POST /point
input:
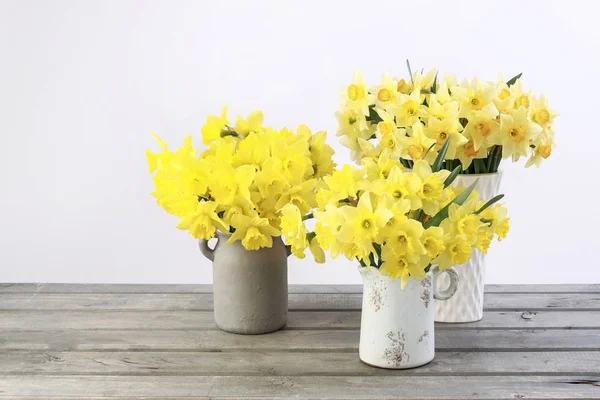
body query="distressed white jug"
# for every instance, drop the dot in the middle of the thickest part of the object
(397, 328)
(467, 303)
(250, 288)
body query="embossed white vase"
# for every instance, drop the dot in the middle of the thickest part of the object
(396, 328)
(467, 303)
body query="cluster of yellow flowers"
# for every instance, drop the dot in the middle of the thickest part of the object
(401, 221)
(246, 181)
(257, 183)
(484, 121)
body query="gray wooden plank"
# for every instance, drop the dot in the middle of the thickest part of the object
(205, 288)
(161, 301)
(290, 340)
(201, 320)
(153, 288)
(313, 387)
(297, 301)
(261, 363)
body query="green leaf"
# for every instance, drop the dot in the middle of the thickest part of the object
(362, 263)
(513, 80)
(437, 164)
(377, 248)
(452, 176)
(225, 133)
(489, 203)
(480, 167)
(372, 259)
(437, 219)
(409, 70)
(373, 117)
(417, 215)
(497, 160)
(434, 86)
(307, 216)
(490, 158)
(430, 147)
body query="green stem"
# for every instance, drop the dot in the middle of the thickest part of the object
(497, 159)
(372, 259)
(225, 133)
(308, 216)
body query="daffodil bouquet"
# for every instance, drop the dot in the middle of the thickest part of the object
(248, 178)
(409, 119)
(400, 221)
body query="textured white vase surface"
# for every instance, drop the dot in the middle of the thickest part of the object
(467, 303)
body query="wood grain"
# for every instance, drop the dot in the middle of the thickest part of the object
(297, 301)
(203, 288)
(201, 320)
(259, 363)
(289, 340)
(65, 341)
(314, 387)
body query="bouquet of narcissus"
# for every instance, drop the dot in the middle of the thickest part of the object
(402, 222)
(484, 121)
(252, 181)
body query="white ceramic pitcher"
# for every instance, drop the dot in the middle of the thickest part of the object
(397, 327)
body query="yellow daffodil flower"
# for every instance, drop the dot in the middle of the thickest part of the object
(321, 155)
(433, 241)
(302, 196)
(227, 183)
(356, 95)
(515, 134)
(408, 109)
(386, 94)
(203, 222)
(541, 114)
(416, 145)
(457, 250)
(401, 267)
(214, 127)
(248, 171)
(446, 129)
(293, 229)
(344, 183)
(431, 190)
(363, 222)
(476, 96)
(401, 185)
(250, 125)
(253, 231)
(467, 153)
(316, 251)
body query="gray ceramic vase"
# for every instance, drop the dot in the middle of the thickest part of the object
(250, 288)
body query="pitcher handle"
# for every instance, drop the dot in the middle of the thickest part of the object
(206, 250)
(449, 292)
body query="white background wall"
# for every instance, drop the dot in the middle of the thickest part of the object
(83, 83)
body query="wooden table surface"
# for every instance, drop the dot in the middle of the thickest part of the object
(63, 341)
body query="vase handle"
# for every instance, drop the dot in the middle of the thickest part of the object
(449, 292)
(206, 250)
